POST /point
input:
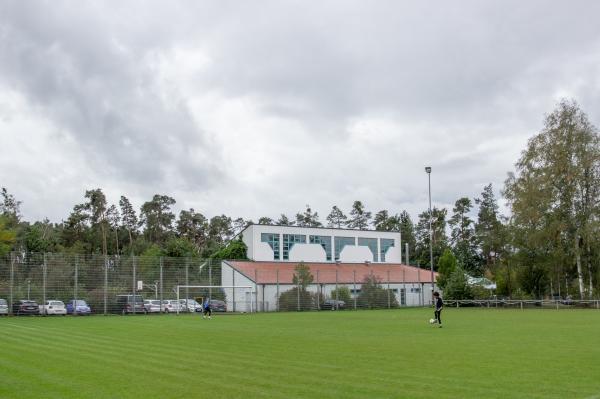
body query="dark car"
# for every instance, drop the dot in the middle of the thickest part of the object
(78, 306)
(217, 305)
(126, 304)
(332, 304)
(25, 306)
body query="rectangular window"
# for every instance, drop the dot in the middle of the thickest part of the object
(325, 242)
(415, 290)
(273, 241)
(288, 243)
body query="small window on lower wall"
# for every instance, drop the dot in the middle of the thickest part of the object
(415, 290)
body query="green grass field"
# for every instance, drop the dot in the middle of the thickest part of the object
(480, 353)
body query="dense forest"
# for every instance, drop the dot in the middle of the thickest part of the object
(550, 238)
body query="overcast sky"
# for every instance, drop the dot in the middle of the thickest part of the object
(259, 108)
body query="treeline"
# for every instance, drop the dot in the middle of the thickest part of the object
(549, 244)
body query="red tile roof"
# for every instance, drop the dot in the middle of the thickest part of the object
(325, 273)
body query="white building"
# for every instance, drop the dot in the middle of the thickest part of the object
(335, 257)
(309, 244)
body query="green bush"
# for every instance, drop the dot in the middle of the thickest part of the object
(374, 296)
(292, 300)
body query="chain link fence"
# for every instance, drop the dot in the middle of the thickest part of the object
(106, 284)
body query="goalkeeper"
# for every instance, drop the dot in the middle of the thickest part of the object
(207, 312)
(439, 305)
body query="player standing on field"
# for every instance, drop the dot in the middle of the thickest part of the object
(439, 305)
(207, 310)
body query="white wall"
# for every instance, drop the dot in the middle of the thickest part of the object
(244, 299)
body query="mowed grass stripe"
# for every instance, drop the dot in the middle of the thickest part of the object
(154, 363)
(276, 339)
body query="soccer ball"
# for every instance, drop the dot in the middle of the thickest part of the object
(432, 321)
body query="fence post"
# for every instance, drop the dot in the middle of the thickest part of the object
(521, 305)
(134, 284)
(76, 284)
(187, 280)
(44, 268)
(161, 283)
(403, 287)
(105, 284)
(354, 281)
(319, 291)
(388, 289)
(336, 290)
(298, 295)
(12, 281)
(277, 281)
(256, 289)
(210, 279)
(232, 283)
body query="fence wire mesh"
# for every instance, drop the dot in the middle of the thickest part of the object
(106, 284)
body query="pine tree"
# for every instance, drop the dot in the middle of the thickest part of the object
(336, 218)
(462, 236)
(359, 218)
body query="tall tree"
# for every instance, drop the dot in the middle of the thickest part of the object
(7, 236)
(462, 236)
(284, 221)
(308, 218)
(266, 220)
(440, 239)
(384, 222)
(193, 226)
(554, 195)
(407, 233)
(157, 218)
(129, 219)
(359, 217)
(10, 207)
(489, 229)
(96, 208)
(113, 220)
(336, 218)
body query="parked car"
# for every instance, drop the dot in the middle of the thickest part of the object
(217, 305)
(3, 307)
(53, 306)
(152, 305)
(332, 304)
(190, 305)
(25, 306)
(130, 304)
(78, 306)
(172, 306)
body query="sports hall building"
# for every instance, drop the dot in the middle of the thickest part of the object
(336, 257)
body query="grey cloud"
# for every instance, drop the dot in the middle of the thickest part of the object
(460, 86)
(95, 83)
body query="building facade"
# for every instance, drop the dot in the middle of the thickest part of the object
(270, 243)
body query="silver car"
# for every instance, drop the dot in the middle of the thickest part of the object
(3, 307)
(152, 305)
(190, 305)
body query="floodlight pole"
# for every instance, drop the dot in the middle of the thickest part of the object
(428, 171)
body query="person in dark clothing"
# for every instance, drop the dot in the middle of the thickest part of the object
(439, 305)
(207, 310)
